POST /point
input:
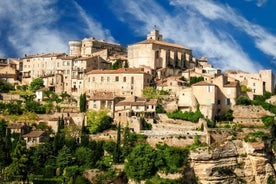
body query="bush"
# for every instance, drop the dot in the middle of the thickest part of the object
(243, 100)
(268, 121)
(189, 116)
(194, 80)
(160, 109)
(253, 136)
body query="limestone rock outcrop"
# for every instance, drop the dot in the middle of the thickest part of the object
(232, 162)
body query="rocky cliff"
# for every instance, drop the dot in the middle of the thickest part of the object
(233, 162)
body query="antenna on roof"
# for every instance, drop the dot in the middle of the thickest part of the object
(155, 27)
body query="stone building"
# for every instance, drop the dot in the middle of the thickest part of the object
(131, 111)
(88, 46)
(39, 65)
(122, 82)
(163, 58)
(103, 100)
(9, 70)
(256, 83)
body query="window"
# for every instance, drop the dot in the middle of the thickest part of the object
(93, 79)
(102, 79)
(108, 79)
(156, 54)
(116, 78)
(254, 84)
(124, 79)
(227, 101)
(209, 89)
(132, 80)
(218, 102)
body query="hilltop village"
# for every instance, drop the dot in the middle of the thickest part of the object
(155, 89)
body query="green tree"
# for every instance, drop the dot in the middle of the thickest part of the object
(98, 121)
(151, 93)
(173, 159)
(83, 102)
(118, 152)
(19, 167)
(64, 157)
(140, 163)
(83, 156)
(5, 143)
(5, 87)
(194, 80)
(84, 135)
(36, 84)
(117, 64)
(243, 100)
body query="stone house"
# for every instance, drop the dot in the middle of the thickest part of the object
(122, 82)
(206, 97)
(19, 128)
(39, 65)
(89, 46)
(8, 73)
(35, 137)
(132, 110)
(158, 54)
(172, 84)
(257, 83)
(103, 100)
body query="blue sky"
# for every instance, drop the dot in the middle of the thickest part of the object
(232, 34)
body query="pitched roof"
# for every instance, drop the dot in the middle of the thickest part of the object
(137, 102)
(102, 95)
(203, 83)
(162, 43)
(16, 125)
(34, 134)
(120, 70)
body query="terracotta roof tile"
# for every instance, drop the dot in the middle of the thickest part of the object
(157, 42)
(33, 134)
(16, 125)
(203, 83)
(120, 70)
(102, 95)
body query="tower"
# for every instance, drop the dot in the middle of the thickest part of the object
(75, 48)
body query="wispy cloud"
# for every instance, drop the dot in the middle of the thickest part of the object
(28, 25)
(92, 26)
(33, 26)
(190, 29)
(264, 40)
(261, 2)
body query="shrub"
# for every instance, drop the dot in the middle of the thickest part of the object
(194, 80)
(243, 100)
(252, 137)
(189, 116)
(268, 121)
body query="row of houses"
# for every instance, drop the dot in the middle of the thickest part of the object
(152, 62)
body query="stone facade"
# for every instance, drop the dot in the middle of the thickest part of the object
(258, 83)
(123, 82)
(157, 54)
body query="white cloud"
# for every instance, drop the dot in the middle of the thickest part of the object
(187, 28)
(261, 3)
(264, 40)
(33, 26)
(29, 26)
(93, 27)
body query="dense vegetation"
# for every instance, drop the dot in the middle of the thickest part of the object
(194, 80)
(189, 116)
